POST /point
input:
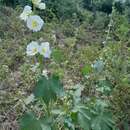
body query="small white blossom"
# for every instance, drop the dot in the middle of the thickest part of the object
(36, 2)
(35, 23)
(45, 73)
(42, 6)
(32, 48)
(26, 12)
(45, 49)
(27, 8)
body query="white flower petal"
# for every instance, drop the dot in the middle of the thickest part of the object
(26, 12)
(32, 48)
(45, 49)
(42, 6)
(45, 73)
(27, 8)
(23, 16)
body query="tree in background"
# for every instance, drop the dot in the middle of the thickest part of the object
(105, 5)
(64, 8)
(14, 3)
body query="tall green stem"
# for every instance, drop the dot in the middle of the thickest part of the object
(110, 24)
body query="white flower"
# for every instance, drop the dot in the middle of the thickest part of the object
(45, 73)
(32, 48)
(42, 6)
(39, 4)
(45, 49)
(35, 23)
(27, 8)
(26, 12)
(36, 2)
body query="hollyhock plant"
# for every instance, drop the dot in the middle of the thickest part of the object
(26, 13)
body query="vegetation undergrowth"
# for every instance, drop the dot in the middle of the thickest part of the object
(72, 74)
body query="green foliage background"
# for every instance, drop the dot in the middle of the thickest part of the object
(80, 28)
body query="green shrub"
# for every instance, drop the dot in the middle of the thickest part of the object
(64, 9)
(95, 78)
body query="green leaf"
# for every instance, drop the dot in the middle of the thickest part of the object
(45, 127)
(29, 122)
(46, 123)
(83, 121)
(86, 70)
(43, 90)
(84, 117)
(57, 111)
(57, 55)
(103, 121)
(68, 123)
(96, 124)
(74, 116)
(126, 126)
(56, 85)
(104, 86)
(101, 104)
(48, 89)
(77, 94)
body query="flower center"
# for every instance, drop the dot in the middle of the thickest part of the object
(43, 50)
(34, 24)
(34, 50)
